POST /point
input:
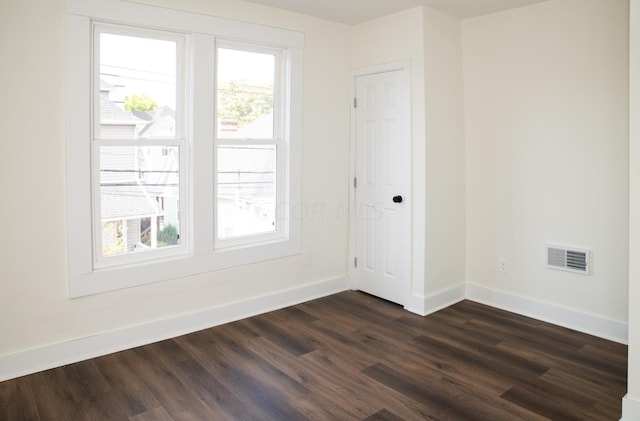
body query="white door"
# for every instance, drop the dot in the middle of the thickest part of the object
(382, 185)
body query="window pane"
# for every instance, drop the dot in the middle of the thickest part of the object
(137, 87)
(245, 94)
(246, 190)
(139, 198)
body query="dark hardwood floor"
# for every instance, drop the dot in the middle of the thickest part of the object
(349, 356)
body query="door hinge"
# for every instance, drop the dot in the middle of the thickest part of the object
(355, 182)
(355, 102)
(355, 262)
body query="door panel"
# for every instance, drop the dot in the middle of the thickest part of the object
(383, 227)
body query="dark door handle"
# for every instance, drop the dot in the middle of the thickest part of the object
(397, 199)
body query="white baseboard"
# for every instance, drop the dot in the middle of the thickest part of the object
(630, 409)
(583, 322)
(56, 355)
(416, 304)
(50, 356)
(437, 301)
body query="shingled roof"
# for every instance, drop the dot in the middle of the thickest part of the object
(127, 202)
(110, 113)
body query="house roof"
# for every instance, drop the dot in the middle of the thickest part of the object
(127, 202)
(161, 111)
(161, 122)
(261, 127)
(106, 86)
(111, 114)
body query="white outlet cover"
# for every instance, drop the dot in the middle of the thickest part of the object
(502, 265)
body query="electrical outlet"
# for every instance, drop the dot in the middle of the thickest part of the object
(503, 266)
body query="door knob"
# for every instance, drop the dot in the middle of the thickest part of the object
(397, 199)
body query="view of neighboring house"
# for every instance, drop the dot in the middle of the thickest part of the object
(139, 185)
(246, 180)
(139, 192)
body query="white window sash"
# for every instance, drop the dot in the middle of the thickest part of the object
(282, 157)
(179, 140)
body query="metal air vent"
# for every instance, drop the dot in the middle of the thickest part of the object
(571, 259)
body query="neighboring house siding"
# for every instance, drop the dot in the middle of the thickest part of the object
(118, 131)
(133, 233)
(117, 161)
(136, 182)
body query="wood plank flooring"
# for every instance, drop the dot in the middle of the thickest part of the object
(349, 356)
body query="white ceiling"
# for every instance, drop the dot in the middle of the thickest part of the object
(357, 11)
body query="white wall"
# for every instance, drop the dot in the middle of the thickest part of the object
(432, 43)
(445, 153)
(631, 404)
(546, 132)
(34, 306)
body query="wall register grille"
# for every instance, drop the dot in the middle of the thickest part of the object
(570, 259)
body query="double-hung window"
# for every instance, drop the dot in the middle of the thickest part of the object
(183, 144)
(139, 146)
(250, 148)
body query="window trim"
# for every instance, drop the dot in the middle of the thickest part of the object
(202, 256)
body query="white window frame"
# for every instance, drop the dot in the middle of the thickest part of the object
(278, 140)
(201, 254)
(179, 140)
